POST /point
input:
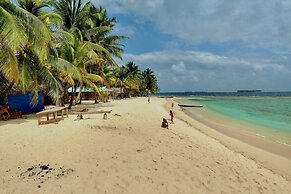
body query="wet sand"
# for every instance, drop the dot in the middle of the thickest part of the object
(273, 155)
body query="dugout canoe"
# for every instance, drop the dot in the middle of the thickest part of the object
(188, 105)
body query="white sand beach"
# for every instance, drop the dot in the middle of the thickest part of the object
(131, 153)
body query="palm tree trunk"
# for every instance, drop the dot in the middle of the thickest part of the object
(96, 100)
(59, 101)
(79, 94)
(121, 92)
(65, 96)
(73, 96)
(81, 98)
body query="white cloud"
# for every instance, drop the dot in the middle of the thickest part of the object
(261, 27)
(254, 22)
(179, 69)
(193, 70)
(203, 60)
(124, 30)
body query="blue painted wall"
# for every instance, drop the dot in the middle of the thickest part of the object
(23, 103)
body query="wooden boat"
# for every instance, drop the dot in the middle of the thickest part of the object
(166, 96)
(188, 105)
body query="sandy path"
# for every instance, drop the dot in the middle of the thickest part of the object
(129, 153)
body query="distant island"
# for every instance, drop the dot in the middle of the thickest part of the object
(241, 91)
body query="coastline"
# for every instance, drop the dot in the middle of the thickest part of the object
(128, 153)
(268, 153)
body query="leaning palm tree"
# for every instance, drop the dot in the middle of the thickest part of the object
(79, 55)
(91, 25)
(27, 50)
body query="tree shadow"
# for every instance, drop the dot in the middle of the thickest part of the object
(24, 119)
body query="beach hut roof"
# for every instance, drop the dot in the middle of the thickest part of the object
(84, 90)
(70, 90)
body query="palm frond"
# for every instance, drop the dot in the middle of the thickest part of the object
(94, 77)
(69, 68)
(92, 85)
(97, 47)
(61, 36)
(10, 31)
(53, 20)
(50, 80)
(9, 64)
(97, 31)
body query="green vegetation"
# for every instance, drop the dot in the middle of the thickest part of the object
(53, 45)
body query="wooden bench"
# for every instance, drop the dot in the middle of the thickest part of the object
(53, 115)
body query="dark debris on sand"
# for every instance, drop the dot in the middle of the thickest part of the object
(42, 172)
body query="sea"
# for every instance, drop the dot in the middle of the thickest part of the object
(270, 111)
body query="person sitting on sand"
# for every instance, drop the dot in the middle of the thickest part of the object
(4, 113)
(172, 116)
(79, 117)
(165, 123)
(105, 116)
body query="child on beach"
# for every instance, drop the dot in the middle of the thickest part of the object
(172, 116)
(79, 117)
(165, 123)
(105, 116)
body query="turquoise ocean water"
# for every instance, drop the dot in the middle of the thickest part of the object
(270, 111)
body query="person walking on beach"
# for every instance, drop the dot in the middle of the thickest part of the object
(172, 116)
(149, 99)
(172, 104)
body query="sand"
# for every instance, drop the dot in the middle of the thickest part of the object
(128, 153)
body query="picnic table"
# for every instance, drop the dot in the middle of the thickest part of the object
(53, 115)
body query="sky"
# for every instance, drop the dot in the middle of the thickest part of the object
(207, 45)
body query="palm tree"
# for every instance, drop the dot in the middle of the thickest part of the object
(128, 78)
(133, 76)
(70, 11)
(35, 7)
(99, 16)
(92, 26)
(79, 55)
(27, 50)
(150, 83)
(73, 46)
(98, 27)
(120, 75)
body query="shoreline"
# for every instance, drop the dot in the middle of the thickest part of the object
(222, 120)
(270, 154)
(127, 153)
(237, 130)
